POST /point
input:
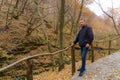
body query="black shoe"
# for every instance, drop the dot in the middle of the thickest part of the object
(81, 73)
(78, 69)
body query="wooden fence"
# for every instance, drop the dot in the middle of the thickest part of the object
(30, 63)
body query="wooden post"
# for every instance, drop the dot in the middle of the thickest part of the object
(109, 47)
(29, 70)
(73, 59)
(53, 62)
(92, 53)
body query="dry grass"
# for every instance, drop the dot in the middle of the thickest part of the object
(65, 74)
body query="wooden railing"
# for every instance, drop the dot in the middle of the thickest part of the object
(30, 63)
(93, 48)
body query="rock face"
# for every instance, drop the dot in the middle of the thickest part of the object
(107, 68)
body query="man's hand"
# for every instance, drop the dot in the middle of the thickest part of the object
(72, 44)
(87, 45)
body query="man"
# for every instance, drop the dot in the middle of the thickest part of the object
(84, 38)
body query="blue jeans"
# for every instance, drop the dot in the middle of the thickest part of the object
(84, 51)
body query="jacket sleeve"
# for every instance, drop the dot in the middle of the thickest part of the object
(76, 39)
(91, 36)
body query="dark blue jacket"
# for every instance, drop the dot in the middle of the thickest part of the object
(84, 36)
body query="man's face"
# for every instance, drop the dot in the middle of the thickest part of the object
(82, 23)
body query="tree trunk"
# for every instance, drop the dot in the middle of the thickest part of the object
(79, 16)
(25, 2)
(16, 5)
(2, 2)
(8, 18)
(62, 12)
(40, 13)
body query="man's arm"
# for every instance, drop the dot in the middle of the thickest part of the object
(91, 35)
(76, 39)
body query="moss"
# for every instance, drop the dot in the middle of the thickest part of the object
(3, 54)
(66, 31)
(26, 46)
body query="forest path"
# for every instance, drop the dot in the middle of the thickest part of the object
(107, 68)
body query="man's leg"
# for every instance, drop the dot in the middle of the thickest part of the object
(84, 51)
(83, 55)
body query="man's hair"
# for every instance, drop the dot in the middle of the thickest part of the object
(82, 19)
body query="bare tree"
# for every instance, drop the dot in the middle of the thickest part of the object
(75, 15)
(110, 16)
(79, 16)
(8, 17)
(40, 13)
(24, 5)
